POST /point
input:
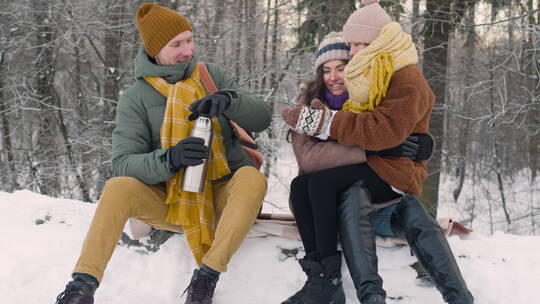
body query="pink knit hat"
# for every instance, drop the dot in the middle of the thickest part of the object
(365, 24)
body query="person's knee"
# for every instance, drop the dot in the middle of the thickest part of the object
(299, 183)
(412, 214)
(319, 186)
(318, 181)
(253, 178)
(358, 194)
(121, 190)
(253, 184)
(299, 193)
(355, 202)
(411, 207)
(123, 184)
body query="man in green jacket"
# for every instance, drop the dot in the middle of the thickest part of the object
(148, 163)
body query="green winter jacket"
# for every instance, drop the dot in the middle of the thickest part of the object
(136, 142)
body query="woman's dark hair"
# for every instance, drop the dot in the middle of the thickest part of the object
(315, 88)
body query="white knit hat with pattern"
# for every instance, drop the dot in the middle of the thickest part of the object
(365, 24)
(332, 47)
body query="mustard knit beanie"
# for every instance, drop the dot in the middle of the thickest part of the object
(365, 24)
(158, 25)
(332, 47)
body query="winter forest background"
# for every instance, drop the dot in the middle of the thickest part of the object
(63, 64)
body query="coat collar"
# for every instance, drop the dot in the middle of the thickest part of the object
(145, 67)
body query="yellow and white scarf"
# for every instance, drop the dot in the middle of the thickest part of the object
(193, 211)
(368, 74)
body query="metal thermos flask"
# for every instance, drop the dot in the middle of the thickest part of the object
(195, 176)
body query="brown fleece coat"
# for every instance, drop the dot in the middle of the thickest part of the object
(405, 110)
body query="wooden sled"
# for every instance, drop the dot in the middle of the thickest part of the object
(284, 225)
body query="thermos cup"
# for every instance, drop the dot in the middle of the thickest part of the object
(195, 176)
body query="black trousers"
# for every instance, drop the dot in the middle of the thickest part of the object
(314, 199)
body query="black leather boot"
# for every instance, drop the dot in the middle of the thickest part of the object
(357, 238)
(201, 288)
(76, 292)
(411, 220)
(325, 286)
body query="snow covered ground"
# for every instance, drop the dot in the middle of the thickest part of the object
(41, 238)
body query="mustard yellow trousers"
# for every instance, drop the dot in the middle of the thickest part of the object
(237, 203)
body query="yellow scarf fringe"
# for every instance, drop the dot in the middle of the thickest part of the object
(368, 74)
(193, 211)
(383, 66)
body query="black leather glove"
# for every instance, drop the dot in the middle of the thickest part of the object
(426, 147)
(417, 146)
(210, 105)
(190, 151)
